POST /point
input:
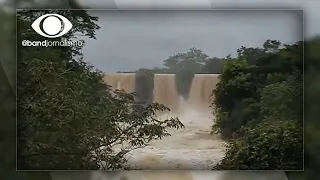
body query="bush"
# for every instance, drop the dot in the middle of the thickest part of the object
(256, 104)
(271, 145)
(244, 113)
(282, 100)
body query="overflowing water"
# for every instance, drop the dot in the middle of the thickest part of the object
(190, 148)
(200, 96)
(165, 92)
(124, 81)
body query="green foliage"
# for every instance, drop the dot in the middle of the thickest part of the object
(258, 98)
(312, 107)
(213, 66)
(234, 98)
(253, 55)
(233, 84)
(272, 144)
(244, 113)
(144, 85)
(282, 100)
(312, 79)
(7, 93)
(312, 69)
(192, 61)
(183, 79)
(185, 65)
(67, 117)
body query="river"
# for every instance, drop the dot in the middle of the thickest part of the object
(190, 148)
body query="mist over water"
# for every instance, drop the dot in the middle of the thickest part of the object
(190, 148)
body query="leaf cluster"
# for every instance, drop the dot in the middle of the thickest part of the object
(68, 118)
(259, 105)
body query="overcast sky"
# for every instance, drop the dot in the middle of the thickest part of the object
(129, 40)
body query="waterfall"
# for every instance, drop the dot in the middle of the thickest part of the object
(165, 91)
(201, 90)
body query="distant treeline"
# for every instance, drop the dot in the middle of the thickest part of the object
(184, 65)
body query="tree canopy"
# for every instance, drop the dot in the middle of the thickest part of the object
(68, 118)
(259, 105)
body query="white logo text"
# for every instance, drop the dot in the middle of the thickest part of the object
(47, 43)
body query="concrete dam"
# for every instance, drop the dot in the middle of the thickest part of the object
(190, 148)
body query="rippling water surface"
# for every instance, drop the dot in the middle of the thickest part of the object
(190, 148)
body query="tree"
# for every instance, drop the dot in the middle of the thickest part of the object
(183, 80)
(67, 117)
(213, 66)
(312, 97)
(251, 99)
(144, 85)
(193, 60)
(185, 65)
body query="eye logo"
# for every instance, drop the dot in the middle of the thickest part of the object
(51, 25)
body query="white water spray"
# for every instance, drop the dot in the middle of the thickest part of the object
(189, 148)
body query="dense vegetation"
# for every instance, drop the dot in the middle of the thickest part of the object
(7, 108)
(259, 99)
(259, 103)
(66, 112)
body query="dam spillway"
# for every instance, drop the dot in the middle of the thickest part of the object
(200, 96)
(190, 148)
(165, 91)
(121, 81)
